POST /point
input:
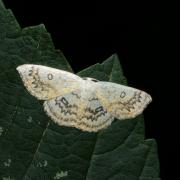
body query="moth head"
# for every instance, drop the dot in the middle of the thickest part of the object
(90, 79)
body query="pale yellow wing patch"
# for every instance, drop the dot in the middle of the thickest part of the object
(122, 102)
(76, 111)
(46, 83)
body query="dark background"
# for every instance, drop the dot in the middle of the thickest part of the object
(143, 39)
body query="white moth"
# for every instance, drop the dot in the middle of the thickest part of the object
(84, 103)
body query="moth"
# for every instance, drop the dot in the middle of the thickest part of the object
(83, 103)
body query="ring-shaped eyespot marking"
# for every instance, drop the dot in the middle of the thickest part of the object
(50, 76)
(123, 94)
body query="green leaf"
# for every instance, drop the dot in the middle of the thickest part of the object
(32, 147)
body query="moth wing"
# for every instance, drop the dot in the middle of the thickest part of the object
(94, 116)
(74, 110)
(121, 101)
(46, 83)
